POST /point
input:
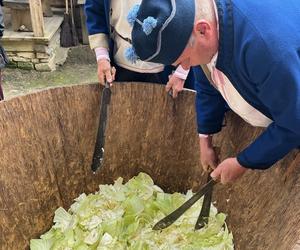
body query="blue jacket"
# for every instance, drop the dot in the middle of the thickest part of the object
(97, 16)
(259, 52)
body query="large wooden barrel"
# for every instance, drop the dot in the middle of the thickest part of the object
(47, 142)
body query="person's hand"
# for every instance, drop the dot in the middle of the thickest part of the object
(176, 84)
(208, 155)
(228, 171)
(105, 71)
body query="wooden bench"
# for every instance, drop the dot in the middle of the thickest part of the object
(20, 13)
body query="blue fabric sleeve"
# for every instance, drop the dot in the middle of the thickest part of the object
(96, 17)
(210, 105)
(280, 93)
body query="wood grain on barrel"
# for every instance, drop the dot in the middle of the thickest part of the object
(47, 142)
(297, 247)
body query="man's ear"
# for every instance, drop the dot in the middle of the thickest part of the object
(201, 28)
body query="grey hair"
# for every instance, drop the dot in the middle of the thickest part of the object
(204, 10)
(191, 41)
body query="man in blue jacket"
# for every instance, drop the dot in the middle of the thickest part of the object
(250, 56)
(109, 35)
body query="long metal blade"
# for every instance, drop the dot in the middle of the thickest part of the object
(99, 147)
(205, 210)
(172, 217)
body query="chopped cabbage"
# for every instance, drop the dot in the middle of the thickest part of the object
(121, 216)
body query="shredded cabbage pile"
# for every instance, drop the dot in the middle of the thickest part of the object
(121, 216)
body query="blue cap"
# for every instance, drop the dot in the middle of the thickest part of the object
(161, 30)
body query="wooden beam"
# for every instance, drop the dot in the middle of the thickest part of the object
(47, 11)
(84, 32)
(21, 18)
(37, 19)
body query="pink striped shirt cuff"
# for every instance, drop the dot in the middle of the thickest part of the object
(181, 73)
(203, 136)
(102, 53)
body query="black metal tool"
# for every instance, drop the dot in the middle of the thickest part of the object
(205, 210)
(99, 147)
(172, 217)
